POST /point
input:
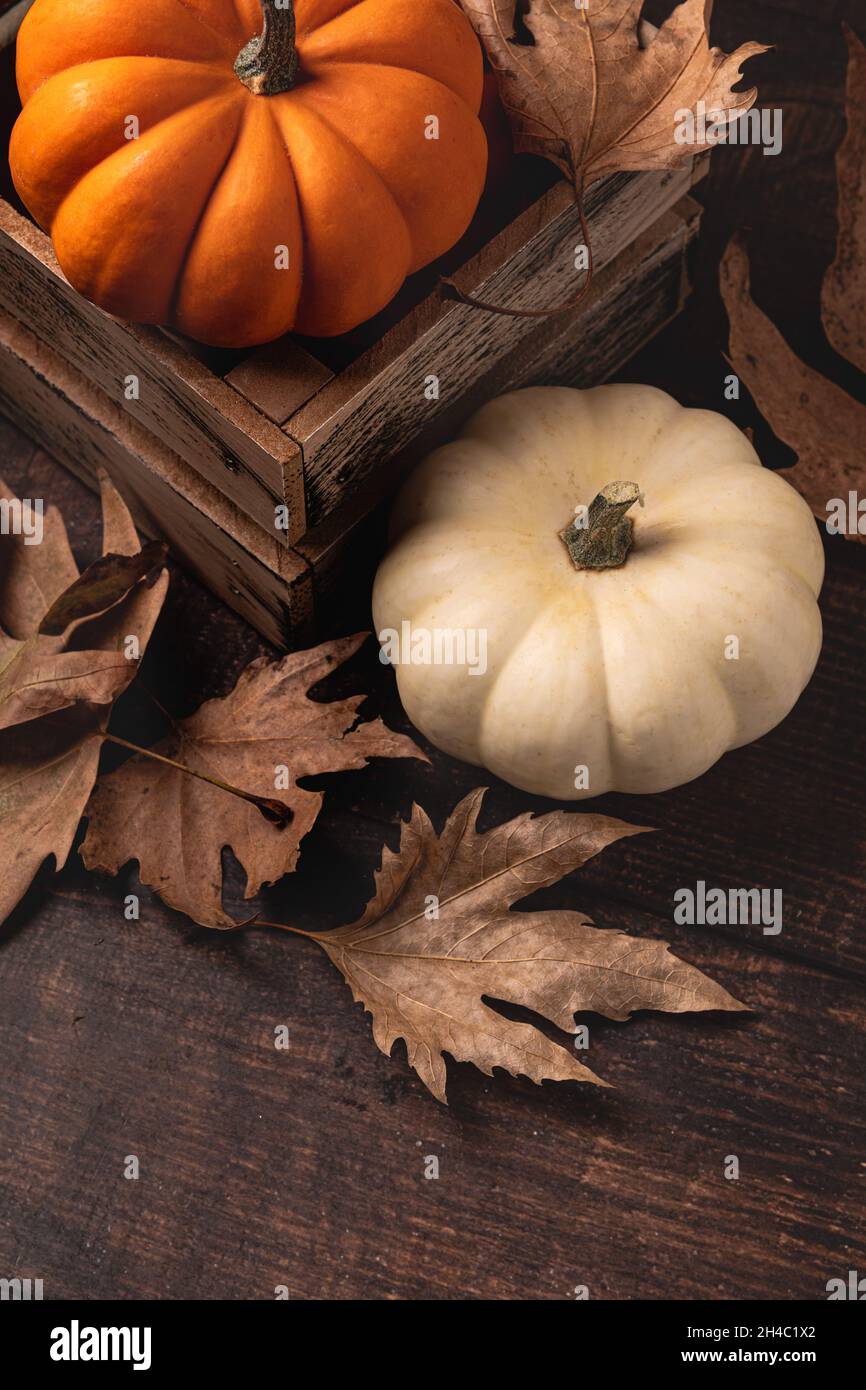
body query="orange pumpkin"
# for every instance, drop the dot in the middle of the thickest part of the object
(234, 184)
(497, 128)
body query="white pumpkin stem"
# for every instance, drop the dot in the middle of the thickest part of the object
(604, 539)
(268, 64)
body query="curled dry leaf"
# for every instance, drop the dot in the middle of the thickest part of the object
(55, 691)
(438, 940)
(815, 417)
(103, 584)
(53, 653)
(589, 98)
(176, 826)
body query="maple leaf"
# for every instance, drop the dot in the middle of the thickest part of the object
(177, 826)
(51, 740)
(588, 97)
(815, 417)
(438, 939)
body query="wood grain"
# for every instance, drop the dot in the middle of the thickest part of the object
(242, 563)
(306, 1168)
(211, 426)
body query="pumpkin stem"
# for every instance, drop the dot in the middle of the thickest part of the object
(604, 538)
(268, 64)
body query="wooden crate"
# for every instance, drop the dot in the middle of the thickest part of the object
(289, 592)
(304, 424)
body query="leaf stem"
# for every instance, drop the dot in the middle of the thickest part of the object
(456, 293)
(281, 926)
(169, 718)
(277, 812)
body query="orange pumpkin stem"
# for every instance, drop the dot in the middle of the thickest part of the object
(268, 64)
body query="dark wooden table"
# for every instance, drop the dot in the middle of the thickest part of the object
(305, 1168)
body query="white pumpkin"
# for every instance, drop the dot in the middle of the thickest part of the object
(692, 629)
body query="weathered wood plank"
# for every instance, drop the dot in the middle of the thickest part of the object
(260, 1168)
(243, 564)
(279, 378)
(210, 425)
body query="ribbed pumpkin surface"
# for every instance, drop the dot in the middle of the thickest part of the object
(185, 225)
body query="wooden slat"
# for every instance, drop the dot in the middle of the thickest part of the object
(181, 402)
(377, 406)
(242, 563)
(279, 378)
(632, 299)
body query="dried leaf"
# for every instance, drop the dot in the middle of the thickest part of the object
(815, 417)
(57, 646)
(47, 771)
(425, 977)
(844, 292)
(176, 827)
(821, 422)
(101, 586)
(588, 97)
(48, 764)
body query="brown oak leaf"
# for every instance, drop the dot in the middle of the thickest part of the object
(587, 96)
(815, 417)
(48, 762)
(438, 940)
(177, 826)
